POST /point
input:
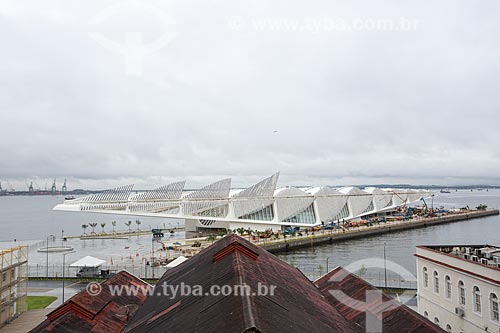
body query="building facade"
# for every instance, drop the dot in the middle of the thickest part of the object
(459, 287)
(13, 282)
(260, 207)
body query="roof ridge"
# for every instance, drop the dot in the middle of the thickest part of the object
(235, 246)
(248, 305)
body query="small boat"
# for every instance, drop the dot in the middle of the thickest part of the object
(70, 197)
(445, 191)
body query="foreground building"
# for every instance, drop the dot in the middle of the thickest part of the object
(276, 298)
(13, 283)
(260, 207)
(100, 313)
(459, 286)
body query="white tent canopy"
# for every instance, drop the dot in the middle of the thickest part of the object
(176, 262)
(88, 261)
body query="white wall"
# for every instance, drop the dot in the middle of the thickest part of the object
(437, 305)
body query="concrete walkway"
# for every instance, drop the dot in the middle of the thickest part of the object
(26, 321)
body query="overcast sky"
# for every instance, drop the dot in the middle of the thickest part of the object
(212, 89)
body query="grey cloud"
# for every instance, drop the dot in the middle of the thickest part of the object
(350, 107)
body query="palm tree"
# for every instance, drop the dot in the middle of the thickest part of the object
(93, 225)
(138, 224)
(114, 225)
(241, 231)
(249, 232)
(128, 224)
(103, 224)
(211, 238)
(84, 226)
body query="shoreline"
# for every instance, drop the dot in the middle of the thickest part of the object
(329, 237)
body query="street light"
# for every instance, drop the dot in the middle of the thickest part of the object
(385, 269)
(153, 257)
(327, 258)
(64, 262)
(47, 251)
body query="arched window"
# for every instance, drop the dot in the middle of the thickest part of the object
(494, 307)
(426, 314)
(447, 285)
(436, 282)
(477, 299)
(461, 293)
(448, 328)
(436, 321)
(425, 277)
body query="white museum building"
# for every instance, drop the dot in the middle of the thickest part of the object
(260, 207)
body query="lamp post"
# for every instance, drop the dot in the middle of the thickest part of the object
(47, 252)
(63, 264)
(385, 270)
(432, 203)
(153, 256)
(327, 258)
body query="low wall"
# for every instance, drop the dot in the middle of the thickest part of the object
(329, 238)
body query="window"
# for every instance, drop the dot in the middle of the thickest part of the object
(305, 216)
(264, 214)
(447, 283)
(461, 293)
(4, 276)
(436, 282)
(436, 321)
(448, 328)
(477, 299)
(494, 307)
(425, 277)
(426, 314)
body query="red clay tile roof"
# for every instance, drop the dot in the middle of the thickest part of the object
(297, 305)
(398, 319)
(101, 313)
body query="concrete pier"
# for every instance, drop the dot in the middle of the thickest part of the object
(330, 236)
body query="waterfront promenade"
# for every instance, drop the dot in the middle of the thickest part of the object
(291, 242)
(330, 236)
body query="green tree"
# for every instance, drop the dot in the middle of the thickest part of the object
(128, 224)
(93, 225)
(103, 224)
(138, 224)
(114, 225)
(84, 227)
(211, 238)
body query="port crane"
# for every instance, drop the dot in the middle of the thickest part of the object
(54, 187)
(30, 187)
(64, 188)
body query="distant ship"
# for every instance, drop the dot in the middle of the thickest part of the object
(444, 190)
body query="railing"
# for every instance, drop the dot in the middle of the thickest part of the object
(56, 270)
